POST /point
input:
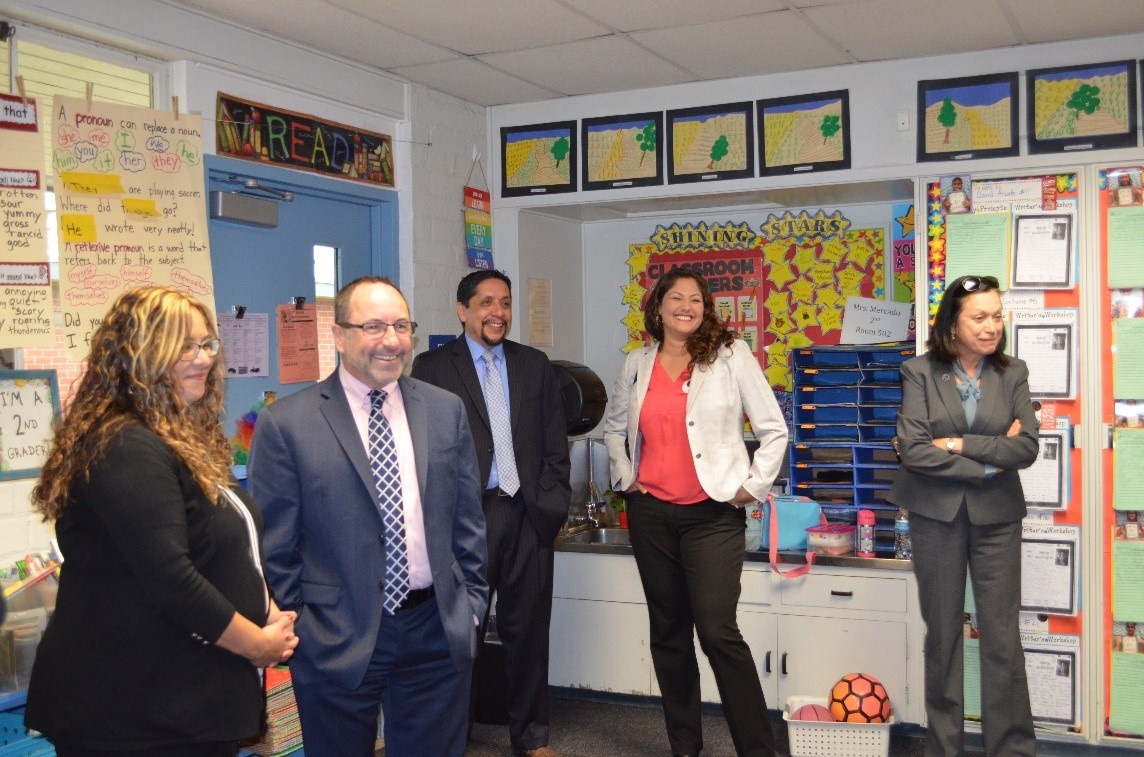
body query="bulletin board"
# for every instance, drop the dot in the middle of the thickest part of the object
(29, 404)
(983, 215)
(780, 287)
(1121, 216)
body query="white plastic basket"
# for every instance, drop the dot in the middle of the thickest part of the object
(815, 738)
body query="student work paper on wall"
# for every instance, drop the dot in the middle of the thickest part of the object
(1051, 662)
(26, 307)
(978, 245)
(131, 205)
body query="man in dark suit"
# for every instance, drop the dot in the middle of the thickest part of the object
(524, 470)
(375, 536)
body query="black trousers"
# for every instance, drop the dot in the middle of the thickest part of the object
(690, 559)
(520, 573)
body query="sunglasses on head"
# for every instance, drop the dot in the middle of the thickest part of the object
(974, 283)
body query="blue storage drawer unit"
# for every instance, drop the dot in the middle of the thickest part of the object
(826, 395)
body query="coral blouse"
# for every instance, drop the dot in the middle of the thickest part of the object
(666, 469)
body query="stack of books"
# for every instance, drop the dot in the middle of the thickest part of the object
(284, 731)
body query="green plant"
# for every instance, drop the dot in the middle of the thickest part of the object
(615, 501)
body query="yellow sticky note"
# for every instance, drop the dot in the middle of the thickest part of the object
(77, 227)
(92, 183)
(140, 207)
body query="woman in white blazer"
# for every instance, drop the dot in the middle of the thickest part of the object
(674, 433)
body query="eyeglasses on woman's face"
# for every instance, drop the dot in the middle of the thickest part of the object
(210, 346)
(975, 283)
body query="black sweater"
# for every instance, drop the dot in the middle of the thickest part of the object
(153, 574)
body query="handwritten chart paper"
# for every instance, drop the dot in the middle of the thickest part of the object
(1127, 462)
(132, 209)
(977, 245)
(1127, 579)
(1126, 713)
(1125, 247)
(25, 284)
(1127, 378)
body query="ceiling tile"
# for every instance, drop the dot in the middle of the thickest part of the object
(762, 44)
(1055, 20)
(634, 15)
(475, 82)
(337, 31)
(888, 29)
(475, 27)
(608, 64)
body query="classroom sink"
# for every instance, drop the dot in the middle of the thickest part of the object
(597, 536)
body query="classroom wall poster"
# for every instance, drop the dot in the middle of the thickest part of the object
(780, 288)
(26, 304)
(132, 209)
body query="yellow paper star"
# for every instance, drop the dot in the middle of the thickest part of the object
(634, 320)
(802, 290)
(778, 377)
(806, 315)
(826, 297)
(781, 274)
(861, 253)
(830, 320)
(778, 302)
(907, 222)
(850, 278)
(805, 258)
(798, 341)
(834, 251)
(775, 252)
(781, 325)
(633, 293)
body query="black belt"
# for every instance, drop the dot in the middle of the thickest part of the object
(495, 492)
(415, 597)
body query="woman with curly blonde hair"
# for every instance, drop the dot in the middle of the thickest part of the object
(674, 433)
(162, 620)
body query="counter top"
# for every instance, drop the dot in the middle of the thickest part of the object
(785, 558)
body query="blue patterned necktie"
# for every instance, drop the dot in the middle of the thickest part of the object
(502, 430)
(387, 478)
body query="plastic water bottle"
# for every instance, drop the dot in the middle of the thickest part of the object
(903, 549)
(864, 536)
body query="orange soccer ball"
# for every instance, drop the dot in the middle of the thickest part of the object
(860, 698)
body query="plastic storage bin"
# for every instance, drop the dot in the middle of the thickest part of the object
(815, 738)
(834, 539)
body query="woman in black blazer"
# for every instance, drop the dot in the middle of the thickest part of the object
(966, 426)
(162, 620)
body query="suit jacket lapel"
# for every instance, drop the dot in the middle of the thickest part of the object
(516, 383)
(341, 420)
(990, 383)
(417, 415)
(467, 370)
(946, 384)
(699, 374)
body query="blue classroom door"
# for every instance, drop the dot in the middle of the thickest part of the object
(261, 268)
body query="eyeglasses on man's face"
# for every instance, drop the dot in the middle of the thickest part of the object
(974, 283)
(378, 328)
(210, 346)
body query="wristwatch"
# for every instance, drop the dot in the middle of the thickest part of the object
(949, 445)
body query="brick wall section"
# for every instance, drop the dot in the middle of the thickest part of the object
(452, 128)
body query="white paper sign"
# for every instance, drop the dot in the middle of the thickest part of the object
(870, 321)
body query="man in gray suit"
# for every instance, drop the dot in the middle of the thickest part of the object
(375, 536)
